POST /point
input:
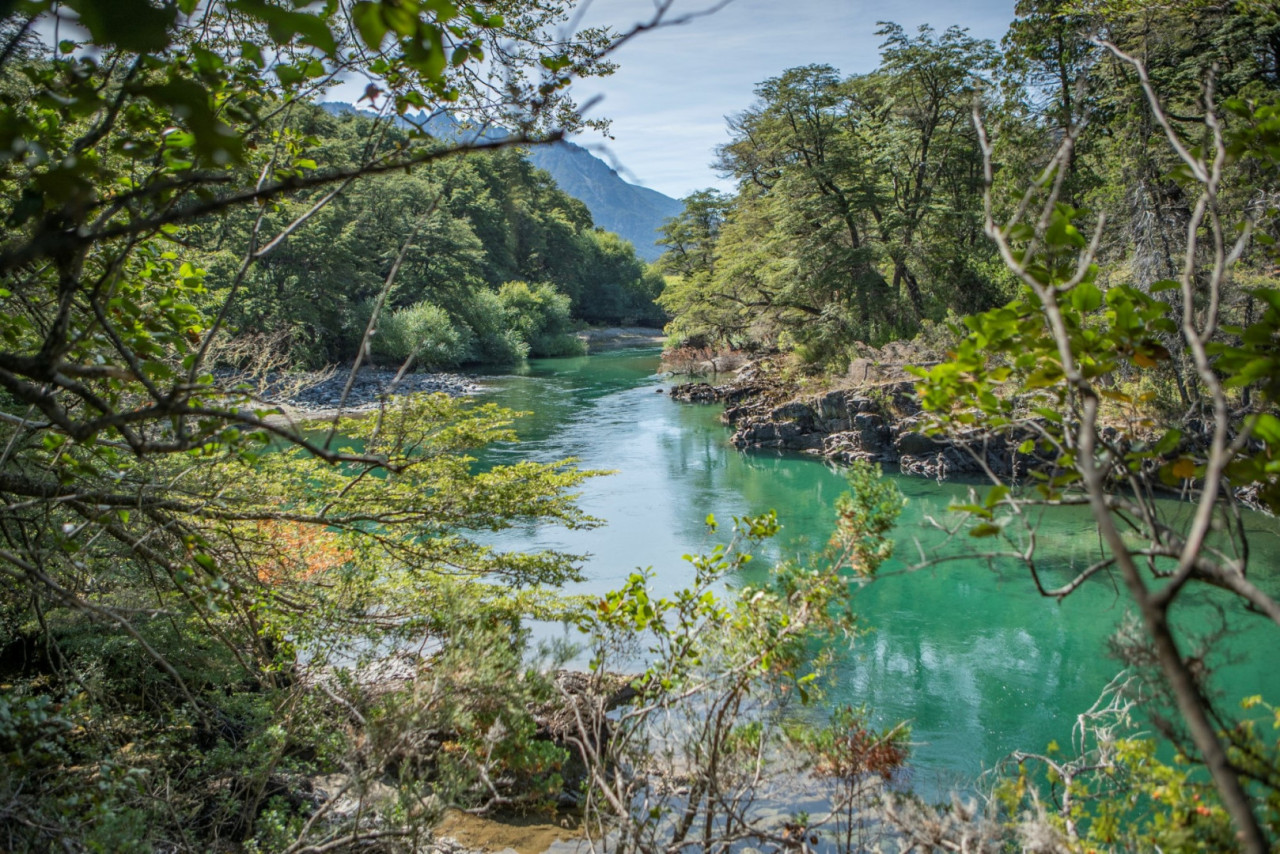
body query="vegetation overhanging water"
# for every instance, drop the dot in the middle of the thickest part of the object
(968, 652)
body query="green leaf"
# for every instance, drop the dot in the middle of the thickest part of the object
(289, 75)
(1267, 428)
(253, 53)
(986, 529)
(1086, 297)
(285, 26)
(1168, 442)
(368, 20)
(134, 25)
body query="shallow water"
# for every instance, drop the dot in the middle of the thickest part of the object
(968, 652)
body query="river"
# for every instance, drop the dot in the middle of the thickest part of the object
(968, 653)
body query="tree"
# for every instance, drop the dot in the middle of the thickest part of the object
(926, 144)
(1044, 371)
(808, 182)
(857, 211)
(1047, 57)
(690, 238)
(181, 567)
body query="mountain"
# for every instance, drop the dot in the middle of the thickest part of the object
(633, 213)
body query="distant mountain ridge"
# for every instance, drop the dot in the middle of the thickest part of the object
(633, 213)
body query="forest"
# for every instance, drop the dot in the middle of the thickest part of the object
(222, 629)
(859, 214)
(478, 230)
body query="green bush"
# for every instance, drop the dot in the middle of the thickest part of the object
(540, 315)
(492, 341)
(424, 332)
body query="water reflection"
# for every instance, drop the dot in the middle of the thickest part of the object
(968, 651)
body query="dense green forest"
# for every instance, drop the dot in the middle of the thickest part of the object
(221, 630)
(859, 213)
(478, 229)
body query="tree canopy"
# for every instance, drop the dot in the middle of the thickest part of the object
(181, 566)
(855, 196)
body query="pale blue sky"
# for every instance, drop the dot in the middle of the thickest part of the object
(669, 98)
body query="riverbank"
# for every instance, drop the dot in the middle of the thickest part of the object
(870, 414)
(873, 414)
(321, 395)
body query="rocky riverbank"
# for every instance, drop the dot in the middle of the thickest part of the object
(876, 418)
(317, 395)
(874, 415)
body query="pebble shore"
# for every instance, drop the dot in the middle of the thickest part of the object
(372, 386)
(318, 395)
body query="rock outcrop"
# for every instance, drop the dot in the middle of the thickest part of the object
(878, 423)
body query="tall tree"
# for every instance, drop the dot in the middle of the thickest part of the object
(857, 211)
(176, 552)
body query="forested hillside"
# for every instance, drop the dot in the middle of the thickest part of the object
(633, 213)
(858, 217)
(477, 227)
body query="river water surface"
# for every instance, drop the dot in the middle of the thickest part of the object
(968, 653)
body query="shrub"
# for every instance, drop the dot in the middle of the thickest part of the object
(423, 332)
(492, 341)
(540, 315)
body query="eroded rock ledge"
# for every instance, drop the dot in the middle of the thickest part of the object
(879, 421)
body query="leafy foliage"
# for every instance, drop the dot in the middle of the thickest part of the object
(1047, 370)
(194, 590)
(720, 673)
(857, 207)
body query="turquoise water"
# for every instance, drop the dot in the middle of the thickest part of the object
(967, 652)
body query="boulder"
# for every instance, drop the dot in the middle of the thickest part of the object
(903, 399)
(783, 435)
(870, 439)
(861, 403)
(795, 411)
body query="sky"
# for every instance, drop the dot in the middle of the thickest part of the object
(675, 86)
